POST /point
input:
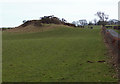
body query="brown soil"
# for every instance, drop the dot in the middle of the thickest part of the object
(112, 53)
(33, 28)
(90, 62)
(102, 61)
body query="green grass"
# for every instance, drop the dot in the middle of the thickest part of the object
(94, 26)
(112, 25)
(117, 31)
(59, 55)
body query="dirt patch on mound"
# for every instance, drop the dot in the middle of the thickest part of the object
(36, 23)
(28, 28)
(33, 28)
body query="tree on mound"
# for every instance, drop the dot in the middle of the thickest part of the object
(55, 20)
(50, 19)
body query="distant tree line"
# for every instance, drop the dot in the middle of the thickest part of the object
(103, 20)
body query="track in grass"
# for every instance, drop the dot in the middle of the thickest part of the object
(63, 54)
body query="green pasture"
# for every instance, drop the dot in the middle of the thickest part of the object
(57, 55)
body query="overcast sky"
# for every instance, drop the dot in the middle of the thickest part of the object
(13, 12)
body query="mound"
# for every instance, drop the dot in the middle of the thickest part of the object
(32, 27)
(46, 22)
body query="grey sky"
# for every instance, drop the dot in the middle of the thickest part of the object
(13, 12)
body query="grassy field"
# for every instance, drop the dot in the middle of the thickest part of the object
(117, 31)
(94, 26)
(59, 55)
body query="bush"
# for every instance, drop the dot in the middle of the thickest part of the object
(50, 19)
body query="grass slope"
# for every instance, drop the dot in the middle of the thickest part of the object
(57, 55)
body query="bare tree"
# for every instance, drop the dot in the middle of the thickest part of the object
(83, 22)
(106, 17)
(102, 16)
(95, 21)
